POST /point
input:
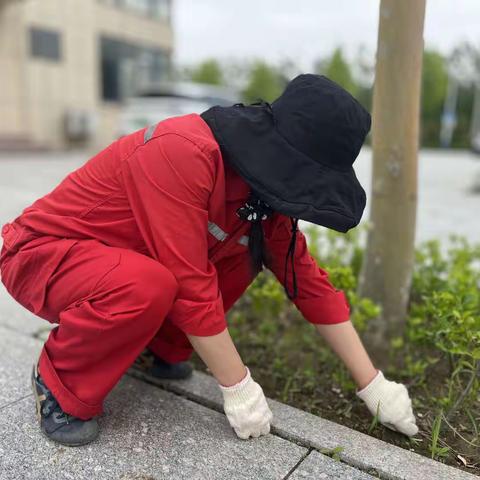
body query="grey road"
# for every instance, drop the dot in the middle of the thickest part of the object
(447, 180)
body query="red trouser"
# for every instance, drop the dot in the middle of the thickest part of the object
(110, 303)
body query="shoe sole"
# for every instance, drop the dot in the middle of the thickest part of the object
(65, 444)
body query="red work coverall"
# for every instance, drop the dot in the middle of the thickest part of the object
(140, 246)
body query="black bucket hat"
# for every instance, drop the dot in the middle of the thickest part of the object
(297, 153)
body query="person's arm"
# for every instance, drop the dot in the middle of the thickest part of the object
(326, 307)
(244, 402)
(343, 339)
(319, 301)
(389, 399)
(221, 357)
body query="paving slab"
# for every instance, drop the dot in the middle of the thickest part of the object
(17, 355)
(320, 467)
(358, 449)
(146, 433)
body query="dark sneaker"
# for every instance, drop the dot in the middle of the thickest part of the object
(55, 423)
(149, 366)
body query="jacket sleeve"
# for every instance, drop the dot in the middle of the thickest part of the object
(168, 183)
(317, 299)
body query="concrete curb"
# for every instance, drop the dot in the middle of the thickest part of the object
(358, 449)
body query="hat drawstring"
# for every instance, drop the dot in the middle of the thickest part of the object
(291, 255)
(267, 106)
(255, 211)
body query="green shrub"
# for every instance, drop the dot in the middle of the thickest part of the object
(444, 314)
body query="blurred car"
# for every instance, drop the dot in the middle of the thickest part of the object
(158, 102)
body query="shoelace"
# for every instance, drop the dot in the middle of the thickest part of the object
(51, 405)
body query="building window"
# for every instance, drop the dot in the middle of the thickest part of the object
(140, 6)
(126, 67)
(45, 44)
(158, 9)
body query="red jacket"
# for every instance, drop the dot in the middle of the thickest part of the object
(166, 193)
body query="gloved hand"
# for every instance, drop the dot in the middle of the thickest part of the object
(246, 408)
(395, 411)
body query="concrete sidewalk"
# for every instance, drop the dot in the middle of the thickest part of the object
(176, 430)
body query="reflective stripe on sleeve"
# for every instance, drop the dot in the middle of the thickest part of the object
(243, 240)
(217, 232)
(149, 133)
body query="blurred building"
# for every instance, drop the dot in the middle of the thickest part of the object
(65, 65)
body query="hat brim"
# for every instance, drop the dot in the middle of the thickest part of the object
(288, 180)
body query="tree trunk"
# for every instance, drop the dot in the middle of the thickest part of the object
(387, 269)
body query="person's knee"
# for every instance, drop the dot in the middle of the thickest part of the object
(139, 288)
(156, 289)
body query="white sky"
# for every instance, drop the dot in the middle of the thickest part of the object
(304, 30)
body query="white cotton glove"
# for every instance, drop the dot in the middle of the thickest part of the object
(395, 411)
(246, 408)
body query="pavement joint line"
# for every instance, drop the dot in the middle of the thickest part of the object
(170, 387)
(9, 404)
(302, 458)
(373, 472)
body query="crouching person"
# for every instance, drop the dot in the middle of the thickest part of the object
(138, 254)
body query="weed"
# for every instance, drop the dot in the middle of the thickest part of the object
(333, 452)
(375, 419)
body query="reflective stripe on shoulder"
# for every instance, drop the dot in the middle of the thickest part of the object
(217, 232)
(149, 133)
(243, 240)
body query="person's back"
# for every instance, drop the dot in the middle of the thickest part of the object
(92, 201)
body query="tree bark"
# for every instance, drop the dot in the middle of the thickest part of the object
(387, 269)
